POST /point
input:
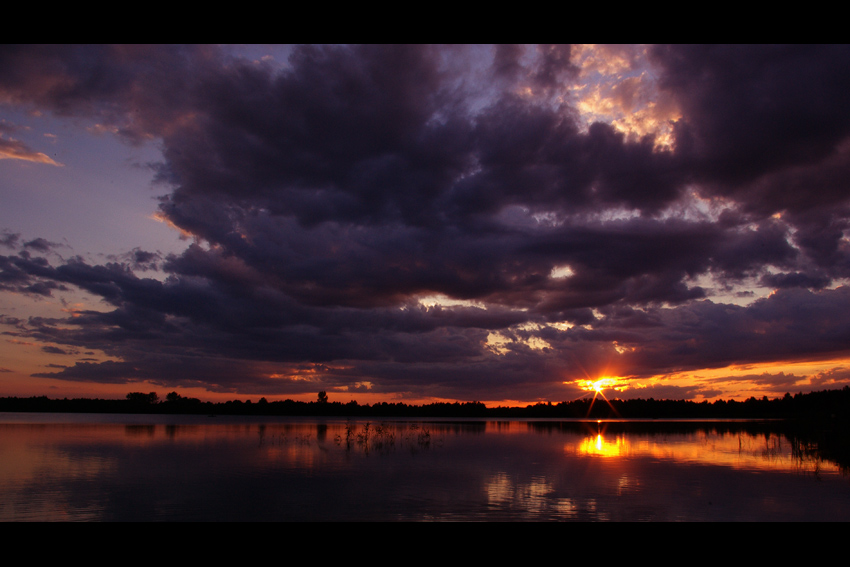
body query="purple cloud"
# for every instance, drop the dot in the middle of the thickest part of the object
(329, 197)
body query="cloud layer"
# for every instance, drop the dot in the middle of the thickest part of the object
(333, 198)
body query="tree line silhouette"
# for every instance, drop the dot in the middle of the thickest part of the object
(823, 405)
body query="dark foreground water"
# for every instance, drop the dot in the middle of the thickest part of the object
(84, 467)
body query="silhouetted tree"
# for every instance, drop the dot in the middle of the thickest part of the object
(140, 398)
(323, 397)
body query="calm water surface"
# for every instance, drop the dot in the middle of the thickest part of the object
(84, 467)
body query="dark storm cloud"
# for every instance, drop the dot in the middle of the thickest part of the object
(327, 197)
(138, 259)
(555, 65)
(53, 350)
(22, 274)
(506, 60)
(39, 244)
(789, 325)
(138, 89)
(9, 239)
(755, 109)
(796, 279)
(767, 126)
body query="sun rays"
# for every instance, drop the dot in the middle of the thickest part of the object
(596, 387)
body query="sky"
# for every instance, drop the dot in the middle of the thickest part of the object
(507, 224)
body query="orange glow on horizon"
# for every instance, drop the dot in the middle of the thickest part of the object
(19, 359)
(603, 383)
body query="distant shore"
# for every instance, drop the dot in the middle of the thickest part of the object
(833, 405)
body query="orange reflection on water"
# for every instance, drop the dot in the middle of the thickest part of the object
(613, 447)
(736, 450)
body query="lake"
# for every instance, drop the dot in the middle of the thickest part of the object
(90, 467)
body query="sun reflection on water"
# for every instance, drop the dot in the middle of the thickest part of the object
(739, 451)
(617, 447)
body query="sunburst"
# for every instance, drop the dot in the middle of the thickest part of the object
(597, 386)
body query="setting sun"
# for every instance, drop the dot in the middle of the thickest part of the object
(604, 383)
(598, 386)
